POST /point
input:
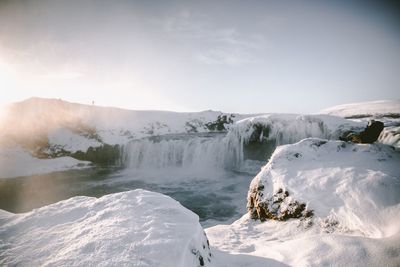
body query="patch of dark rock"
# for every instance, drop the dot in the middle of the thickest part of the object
(368, 136)
(384, 115)
(201, 260)
(103, 155)
(259, 146)
(220, 123)
(318, 143)
(278, 207)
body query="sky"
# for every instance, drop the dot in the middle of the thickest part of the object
(233, 56)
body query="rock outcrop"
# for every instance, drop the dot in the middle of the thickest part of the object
(278, 207)
(331, 182)
(368, 136)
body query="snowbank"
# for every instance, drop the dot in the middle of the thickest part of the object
(134, 228)
(353, 191)
(67, 140)
(16, 161)
(377, 109)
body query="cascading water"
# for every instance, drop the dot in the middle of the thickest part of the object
(187, 151)
(245, 147)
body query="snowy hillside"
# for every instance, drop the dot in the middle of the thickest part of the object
(343, 198)
(135, 228)
(387, 111)
(42, 129)
(376, 109)
(38, 116)
(49, 128)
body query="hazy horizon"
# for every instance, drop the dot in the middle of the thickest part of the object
(232, 56)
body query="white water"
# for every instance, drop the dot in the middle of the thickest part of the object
(195, 152)
(203, 152)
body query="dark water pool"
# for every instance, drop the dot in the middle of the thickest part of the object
(221, 198)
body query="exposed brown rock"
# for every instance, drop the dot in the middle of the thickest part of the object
(278, 207)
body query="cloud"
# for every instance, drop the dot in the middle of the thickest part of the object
(221, 46)
(224, 57)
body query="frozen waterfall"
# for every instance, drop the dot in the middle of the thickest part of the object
(245, 147)
(190, 151)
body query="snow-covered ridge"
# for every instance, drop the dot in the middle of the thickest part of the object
(51, 128)
(387, 111)
(134, 228)
(377, 109)
(110, 125)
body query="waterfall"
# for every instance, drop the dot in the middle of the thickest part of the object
(188, 151)
(245, 147)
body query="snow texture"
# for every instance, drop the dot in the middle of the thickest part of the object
(134, 228)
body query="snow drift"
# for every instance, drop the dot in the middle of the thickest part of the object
(134, 228)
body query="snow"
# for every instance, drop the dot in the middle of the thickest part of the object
(352, 189)
(354, 192)
(290, 128)
(227, 151)
(365, 109)
(66, 139)
(386, 111)
(41, 116)
(15, 162)
(134, 228)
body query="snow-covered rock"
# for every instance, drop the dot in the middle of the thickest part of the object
(353, 192)
(134, 228)
(357, 185)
